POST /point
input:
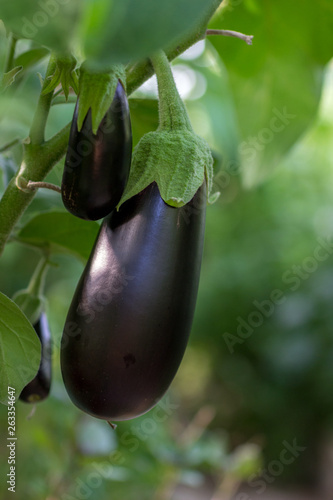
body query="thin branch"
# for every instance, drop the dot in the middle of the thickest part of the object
(112, 425)
(9, 145)
(15, 199)
(236, 34)
(46, 185)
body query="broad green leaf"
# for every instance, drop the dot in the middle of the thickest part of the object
(107, 31)
(48, 22)
(276, 83)
(123, 30)
(61, 232)
(31, 57)
(18, 111)
(20, 349)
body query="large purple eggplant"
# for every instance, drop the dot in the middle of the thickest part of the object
(129, 322)
(97, 165)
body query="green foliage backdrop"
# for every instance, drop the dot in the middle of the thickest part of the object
(266, 111)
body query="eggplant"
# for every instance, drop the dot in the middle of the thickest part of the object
(130, 318)
(39, 388)
(97, 165)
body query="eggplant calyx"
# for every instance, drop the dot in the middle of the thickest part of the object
(173, 156)
(178, 161)
(96, 92)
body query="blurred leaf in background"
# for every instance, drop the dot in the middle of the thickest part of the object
(276, 84)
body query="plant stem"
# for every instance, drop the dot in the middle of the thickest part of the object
(236, 34)
(172, 112)
(36, 285)
(39, 160)
(11, 53)
(9, 145)
(46, 185)
(37, 130)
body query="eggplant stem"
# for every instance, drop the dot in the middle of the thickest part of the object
(112, 425)
(33, 411)
(236, 34)
(47, 185)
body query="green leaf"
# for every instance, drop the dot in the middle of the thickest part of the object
(20, 349)
(105, 31)
(123, 30)
(19, 110)
(9, 78)
(48, 22)
(60, 232)
(31, 57)
(276, 83)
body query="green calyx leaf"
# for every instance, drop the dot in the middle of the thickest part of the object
(174, 157)
(96, 92)
(64, 74)
(179, 162)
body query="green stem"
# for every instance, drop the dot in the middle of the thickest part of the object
(9, 145)
(11, 53)
(172, 112)
(39, 161)
(37, 130)
(37, 282)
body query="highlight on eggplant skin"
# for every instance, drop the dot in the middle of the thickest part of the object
(130, 318)
(97, 165)
(39, 388)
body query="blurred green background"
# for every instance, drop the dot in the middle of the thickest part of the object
(257, 376)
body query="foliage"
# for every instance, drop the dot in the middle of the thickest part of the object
(257, 107)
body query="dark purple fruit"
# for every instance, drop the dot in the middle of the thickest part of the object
(39, 388)
(129, 322)
(97, 166)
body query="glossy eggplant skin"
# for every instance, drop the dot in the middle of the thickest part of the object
(97, 166)
(39, 388)
(129, 322)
